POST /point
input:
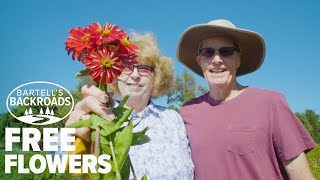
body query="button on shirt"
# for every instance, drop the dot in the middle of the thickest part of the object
(167, 155)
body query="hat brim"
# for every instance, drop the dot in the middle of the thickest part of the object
(251, 44)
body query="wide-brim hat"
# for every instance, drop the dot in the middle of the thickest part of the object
(252, 45)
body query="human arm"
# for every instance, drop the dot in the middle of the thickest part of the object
(291, 140)
(298, 168)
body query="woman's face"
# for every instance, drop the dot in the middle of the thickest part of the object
(219, 60)
(137, 81)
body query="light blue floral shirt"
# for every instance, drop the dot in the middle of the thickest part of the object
(167, 155)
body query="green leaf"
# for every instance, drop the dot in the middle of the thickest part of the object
(119, 112)
(143, 131)
(106, 149)
(109, 176)
(139, 139)
(125, 170)
(123, 101)
(107, 130)
(94, 176)
(82, 123)
(122, 144)
(144, 177)
(125, 116)
(98, 121)
(82, 73)
(103, 140)
(137, 123)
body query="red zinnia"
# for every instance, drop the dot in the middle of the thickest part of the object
(78, 43)
(103, 64)
(129, 47)
(105, 34)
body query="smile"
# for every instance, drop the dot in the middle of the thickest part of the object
(134, 85)
(216, 70)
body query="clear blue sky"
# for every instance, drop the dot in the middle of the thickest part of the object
(33, 35)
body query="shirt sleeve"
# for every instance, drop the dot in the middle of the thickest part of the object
(290, 138)
(182, 134)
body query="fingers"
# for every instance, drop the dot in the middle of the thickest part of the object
(84, 133)
(89, 90)
(93, 102)
(111, 99)
(90, 104)
(75, 116)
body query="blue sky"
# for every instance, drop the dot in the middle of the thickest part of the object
(33, 35)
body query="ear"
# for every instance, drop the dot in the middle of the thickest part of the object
(238, 61)
(198, 60)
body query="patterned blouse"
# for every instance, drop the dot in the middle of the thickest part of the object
(167, 155)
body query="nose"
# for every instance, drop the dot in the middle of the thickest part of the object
(135, 73)
(216, 59)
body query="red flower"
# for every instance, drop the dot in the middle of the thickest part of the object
(79, 43)
(105, 34)
(104, 50)
(103, 64)
(128, 47)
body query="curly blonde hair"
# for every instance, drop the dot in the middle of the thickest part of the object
(150, 54)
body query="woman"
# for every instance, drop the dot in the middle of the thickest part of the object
(167, 155)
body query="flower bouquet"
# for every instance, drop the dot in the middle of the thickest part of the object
(105, 50)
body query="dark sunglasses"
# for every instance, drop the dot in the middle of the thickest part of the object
(143, 70)
(223, 51)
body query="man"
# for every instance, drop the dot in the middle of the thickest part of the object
(235, 131)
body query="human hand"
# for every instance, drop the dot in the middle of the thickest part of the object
(93, 102)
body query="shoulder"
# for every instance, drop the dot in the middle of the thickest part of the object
(195, 101)
(266, 94)
(166, 112)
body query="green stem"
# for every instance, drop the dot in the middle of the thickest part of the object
(118, 176)
(96, 145)
(132, 169)
(97, 140)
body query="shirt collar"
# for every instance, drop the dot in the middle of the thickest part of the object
(151, 109)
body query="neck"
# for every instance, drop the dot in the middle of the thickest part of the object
(138, 105)
(226, 92)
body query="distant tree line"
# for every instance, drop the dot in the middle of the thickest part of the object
(184, 89)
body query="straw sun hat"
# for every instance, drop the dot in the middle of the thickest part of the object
(251, 44)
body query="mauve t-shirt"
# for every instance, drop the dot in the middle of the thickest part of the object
(244, 138)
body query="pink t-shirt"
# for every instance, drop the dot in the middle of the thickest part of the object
(246, 137)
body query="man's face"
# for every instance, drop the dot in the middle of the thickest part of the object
(136, 81)
(219, 59)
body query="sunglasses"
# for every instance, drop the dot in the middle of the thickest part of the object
(143, 70)
(223, 51)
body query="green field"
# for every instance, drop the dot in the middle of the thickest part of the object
(314, 161)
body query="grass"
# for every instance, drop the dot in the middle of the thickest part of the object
(314, 161)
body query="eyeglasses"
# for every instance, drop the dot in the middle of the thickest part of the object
(143, 70)
(223, 51)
